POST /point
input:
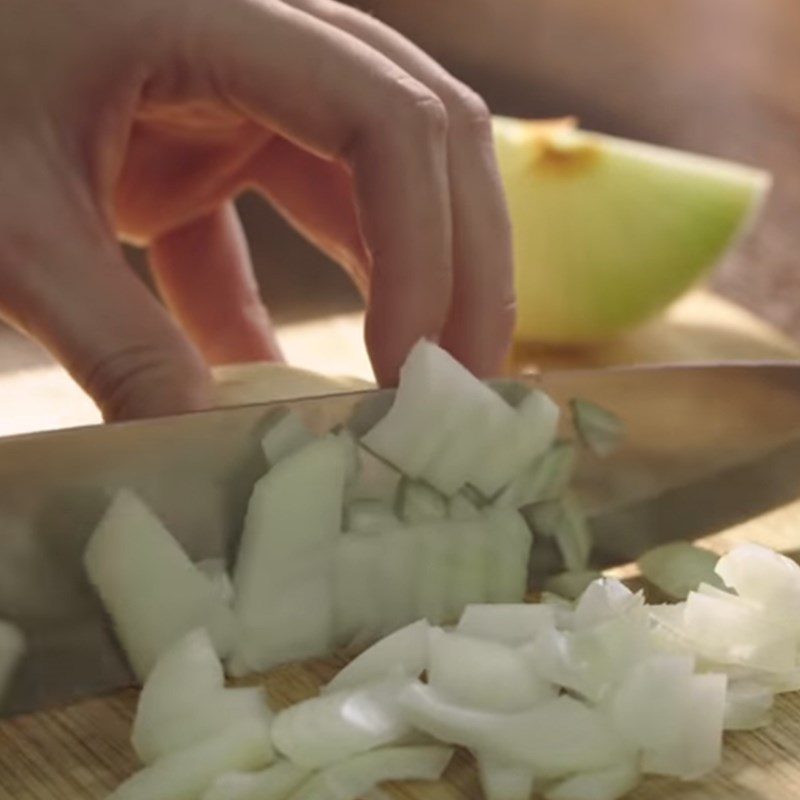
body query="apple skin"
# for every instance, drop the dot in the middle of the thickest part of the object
(608, 232)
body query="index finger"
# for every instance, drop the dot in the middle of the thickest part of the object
(340, 99)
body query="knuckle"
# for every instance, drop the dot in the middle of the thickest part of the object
(129, 382)
(420, 107)
(468, 110)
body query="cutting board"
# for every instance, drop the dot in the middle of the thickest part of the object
(82, 751)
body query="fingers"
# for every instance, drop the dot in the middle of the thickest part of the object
(481, 317)
(317, 198)
(204, 275)
(66, 284)
(341, 100)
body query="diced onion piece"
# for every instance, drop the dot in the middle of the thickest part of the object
(504, 780)
(153, 592)
(397, 579)
(355, 777)
(208, 717)
(571, 585)
(12, 649)
(748, 705)
(186, 774)
(462, 508)
(510, 623)
(216, 571)
(357, 616)
(555, 738)
(728, 629)
(762, 575)
(563, 520)
(273, 783)
(534, 429)
(376, 480)
(605, 784)
(337, 725)
(678, 568)
(509, 546)
(284, 576)
(418, 502)
(482, 674)
(605, 599)
(600, 430)
(546, 479)
(406, 648)
(434, 570)
(422, 417)
(369, 516)
(284, 437)
(186, 673)
(470, 569)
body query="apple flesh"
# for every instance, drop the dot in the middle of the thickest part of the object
(607, 231)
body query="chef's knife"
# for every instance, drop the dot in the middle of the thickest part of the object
(706, 446)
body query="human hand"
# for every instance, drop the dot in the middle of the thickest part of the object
(141, 120)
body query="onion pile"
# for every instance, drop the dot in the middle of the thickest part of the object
(414, 533)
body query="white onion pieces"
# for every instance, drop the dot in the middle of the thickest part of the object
(273, 783)
(149, 586)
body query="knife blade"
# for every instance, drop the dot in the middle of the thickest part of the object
(706, 446)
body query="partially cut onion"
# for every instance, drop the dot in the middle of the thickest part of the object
(285, 436)
(151, 589)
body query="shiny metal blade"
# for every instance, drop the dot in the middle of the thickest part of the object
(706, 446)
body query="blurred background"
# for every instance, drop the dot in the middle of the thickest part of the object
(720, 77)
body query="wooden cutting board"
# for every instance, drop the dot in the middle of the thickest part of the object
(82, 751)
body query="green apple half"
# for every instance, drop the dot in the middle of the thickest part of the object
(607, 231)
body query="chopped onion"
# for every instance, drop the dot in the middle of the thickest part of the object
(216, 571)
(286, 436)
(462, 508)
(355, 777)
(418, 502)
(555, 738)
(469, 581)
(599, 429)
(357, 616)
(482, 674)
(284, 575)
(274, 783)
(571, 585)
(678, 568)
(208, 717)
(605, 599)
(186, 774)
(12, 649)
(546, 479)
(153, 592)
(406, 649)
(748, 705)
(337, 725)
(605, 784)
(504, 780)
(369, 516)
(510, 623)
(563, 520)
(534, 429)
(509, 540)
(376, 480)
(435, 554)
(397, 579)
(763, 576)
(184, 675)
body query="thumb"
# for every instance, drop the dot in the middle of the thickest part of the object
(67, 285)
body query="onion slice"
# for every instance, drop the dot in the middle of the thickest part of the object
(273, 783)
